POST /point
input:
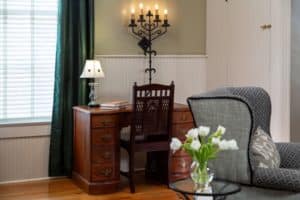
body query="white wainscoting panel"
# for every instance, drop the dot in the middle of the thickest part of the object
(187, 71)
(24, 153)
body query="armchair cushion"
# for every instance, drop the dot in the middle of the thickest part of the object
(263, 150)
(283, 179)
(289, 154)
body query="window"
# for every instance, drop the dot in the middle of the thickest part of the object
(27, 59)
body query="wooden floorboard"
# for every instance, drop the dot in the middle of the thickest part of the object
(65, 189)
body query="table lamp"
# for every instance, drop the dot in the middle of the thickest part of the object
(92, 70)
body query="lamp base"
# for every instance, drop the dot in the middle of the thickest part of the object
(92, 95)
(93, 104)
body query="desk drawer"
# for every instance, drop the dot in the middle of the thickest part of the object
(100, 121)
(180, 164)
(103, 172)
(103, 154)
(182, 117)
(104, 136)
(180, 130)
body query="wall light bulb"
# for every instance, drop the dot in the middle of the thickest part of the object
(132, 10)
(141, 5)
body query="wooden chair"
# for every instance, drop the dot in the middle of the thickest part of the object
(151, 123)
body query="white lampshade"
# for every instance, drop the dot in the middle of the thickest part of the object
(92, 69)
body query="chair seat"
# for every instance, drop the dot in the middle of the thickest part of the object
(146, 146)
(140, 146)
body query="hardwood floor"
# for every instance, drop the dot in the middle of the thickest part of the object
(65, 189)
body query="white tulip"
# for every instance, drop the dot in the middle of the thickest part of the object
(232, 145)
(221, 129)
(216, 141)
(195, 145)
(228, 145)
(223, 145)
(203, 131)
(192, 133)
(175, 144)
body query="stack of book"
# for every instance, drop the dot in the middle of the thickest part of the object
(114, 105)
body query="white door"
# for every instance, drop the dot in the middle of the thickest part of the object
(248, 47)
(242, 52)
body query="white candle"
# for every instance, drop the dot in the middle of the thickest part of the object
(156, 9)
(166, 14)
(142, 8)
(132, 13)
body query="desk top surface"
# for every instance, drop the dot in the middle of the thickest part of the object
(97, 110)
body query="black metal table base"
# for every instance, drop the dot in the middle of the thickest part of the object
(186, 197)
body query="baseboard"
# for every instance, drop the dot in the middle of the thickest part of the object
(47, 178)
(31, 180)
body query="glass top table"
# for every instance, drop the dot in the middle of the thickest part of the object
(218, 189)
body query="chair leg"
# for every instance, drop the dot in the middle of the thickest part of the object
(131, 173)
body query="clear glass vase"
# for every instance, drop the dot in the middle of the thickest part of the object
(201, 176)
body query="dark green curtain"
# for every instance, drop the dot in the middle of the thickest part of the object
(75, 44)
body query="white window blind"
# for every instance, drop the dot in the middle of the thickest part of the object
(27, 59)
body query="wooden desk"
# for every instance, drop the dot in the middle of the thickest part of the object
(96, 147)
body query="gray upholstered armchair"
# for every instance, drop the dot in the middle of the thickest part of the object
(241, 111)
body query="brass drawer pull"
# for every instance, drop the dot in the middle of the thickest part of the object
(183, 118)
(104, 124)
(106, 172)
(107, 123)
(183, 164)
(106, 155)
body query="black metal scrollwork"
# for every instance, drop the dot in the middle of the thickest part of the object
(147, 31)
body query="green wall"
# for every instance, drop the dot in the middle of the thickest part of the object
(185, 36)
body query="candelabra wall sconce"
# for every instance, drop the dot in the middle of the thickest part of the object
(147, 27)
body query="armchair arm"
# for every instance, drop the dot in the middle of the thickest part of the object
(280, 178)
(289, 155)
